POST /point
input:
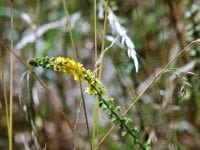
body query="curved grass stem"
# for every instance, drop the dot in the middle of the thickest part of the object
(149, 85)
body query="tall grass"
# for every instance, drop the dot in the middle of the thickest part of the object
(10, 125)
(96, 110)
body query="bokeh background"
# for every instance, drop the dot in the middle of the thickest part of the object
(168, 113)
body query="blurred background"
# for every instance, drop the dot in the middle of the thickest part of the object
(168, 113)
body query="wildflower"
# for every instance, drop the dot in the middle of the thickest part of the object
(76, 69)
(94, 87)
(71, 67)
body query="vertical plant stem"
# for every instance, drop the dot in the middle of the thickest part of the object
(95, 29)
(76, 55)
(37, 13)
(95, 122)
(103, 37)
(11, 79)
(96, 110)
(70, 30)
(101, 63)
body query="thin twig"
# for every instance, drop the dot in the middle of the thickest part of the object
(105, 50)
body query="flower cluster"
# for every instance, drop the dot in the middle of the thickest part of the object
(71, 67)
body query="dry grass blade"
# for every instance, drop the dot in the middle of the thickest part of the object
(11, 78)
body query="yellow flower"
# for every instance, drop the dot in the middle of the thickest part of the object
(71, 67)
(94, 85)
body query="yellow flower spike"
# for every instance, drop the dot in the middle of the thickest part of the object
(76, 69)
(71, 67)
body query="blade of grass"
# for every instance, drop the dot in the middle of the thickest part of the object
(95, 29)
(95, 123)
(103, 38)
(76, 55)
(96, 110)
(95, 130)
(150, 84)
(11, 79)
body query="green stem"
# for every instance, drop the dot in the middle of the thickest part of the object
(103, 37)
(96, 110)
(11, 80)
(85, 113)
(119, 119)
(76, 55)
